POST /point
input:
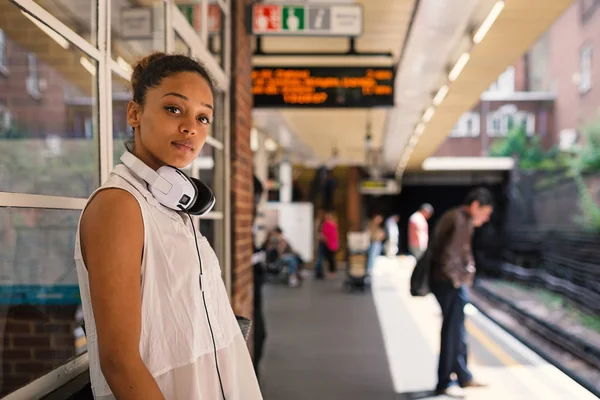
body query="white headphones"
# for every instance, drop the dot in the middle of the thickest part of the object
(172, 188)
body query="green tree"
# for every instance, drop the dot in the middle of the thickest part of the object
(529, 151)
(588, 156)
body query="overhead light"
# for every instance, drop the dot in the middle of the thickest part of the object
(87, 64)
(428, 114)
(414, 140)
(64, 43)
(440, 95)
(458, 67)
(488, 22)
(419, 129)
(125, 66)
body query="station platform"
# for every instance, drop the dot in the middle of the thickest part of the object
(324, 343)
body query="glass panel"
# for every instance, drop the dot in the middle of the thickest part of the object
(137, 30)
(210, 169)
(217, 128)
(40, 312)
(207, 229)
(216, 32)
(214, 232)
(181, 47)
(216, 25)
(80, 16)
(48, 112)
(121, 130)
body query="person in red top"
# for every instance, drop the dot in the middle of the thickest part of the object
(330, 240)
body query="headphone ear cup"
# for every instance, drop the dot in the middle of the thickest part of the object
(205, 200)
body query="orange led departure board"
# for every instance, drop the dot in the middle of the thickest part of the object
(279, 87)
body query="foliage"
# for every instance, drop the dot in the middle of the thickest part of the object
(588, 160)
(590, 212)
(528, 150)
(12, 132)
(588, 157)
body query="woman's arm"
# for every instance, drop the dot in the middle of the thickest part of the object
(112, 237)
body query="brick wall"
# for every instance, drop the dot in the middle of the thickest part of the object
(36, 117)
(521, 78)
(241, 162)
(34, 340)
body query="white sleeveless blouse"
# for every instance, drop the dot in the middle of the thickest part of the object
(175, 342)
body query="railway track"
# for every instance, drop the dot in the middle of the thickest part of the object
(545, 333)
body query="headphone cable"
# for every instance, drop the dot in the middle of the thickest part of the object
(204, 300)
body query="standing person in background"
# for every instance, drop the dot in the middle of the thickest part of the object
(377, 237)
(418, 230)
(452, 269)
(328, 192)
(393, 233)
(258, 269)
(330, 239)
(319, 244)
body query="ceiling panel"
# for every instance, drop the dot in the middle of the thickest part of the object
(323, 130)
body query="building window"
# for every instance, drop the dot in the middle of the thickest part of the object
(585, 63)
(467, 125)
(33, 79)
(501, 121)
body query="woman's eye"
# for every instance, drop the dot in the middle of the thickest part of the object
(174, 110)
(204, 120)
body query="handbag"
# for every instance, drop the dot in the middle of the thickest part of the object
(419, 280)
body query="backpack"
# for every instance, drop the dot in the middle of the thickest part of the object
(419, 280)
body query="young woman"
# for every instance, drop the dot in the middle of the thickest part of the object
(156, 330)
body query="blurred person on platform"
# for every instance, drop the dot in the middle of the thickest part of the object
(452, 270)
(418, 230)
(377, 234)
(328, 245)
(393, 235)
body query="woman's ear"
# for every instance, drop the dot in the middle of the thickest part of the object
(134, 114)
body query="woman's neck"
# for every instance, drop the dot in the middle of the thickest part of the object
(148, 158)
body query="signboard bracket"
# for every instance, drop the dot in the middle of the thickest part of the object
(350, 52)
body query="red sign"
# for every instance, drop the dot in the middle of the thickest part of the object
(266, 18)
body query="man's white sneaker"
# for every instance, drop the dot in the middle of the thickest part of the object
(293, 282)
(453, 391)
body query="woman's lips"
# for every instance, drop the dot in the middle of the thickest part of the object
(183, 146)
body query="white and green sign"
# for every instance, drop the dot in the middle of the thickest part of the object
(307, 20)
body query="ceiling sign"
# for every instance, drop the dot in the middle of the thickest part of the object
(307, 20)
(379, 187)
(361, 87)
(136, 23)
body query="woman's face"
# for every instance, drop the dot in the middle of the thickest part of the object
(172, 125)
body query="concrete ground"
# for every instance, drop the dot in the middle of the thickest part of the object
(324, 343)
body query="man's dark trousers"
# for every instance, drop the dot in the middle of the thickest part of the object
(453, 349)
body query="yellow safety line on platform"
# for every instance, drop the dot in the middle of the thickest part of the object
(490, 345)
(523, 373)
